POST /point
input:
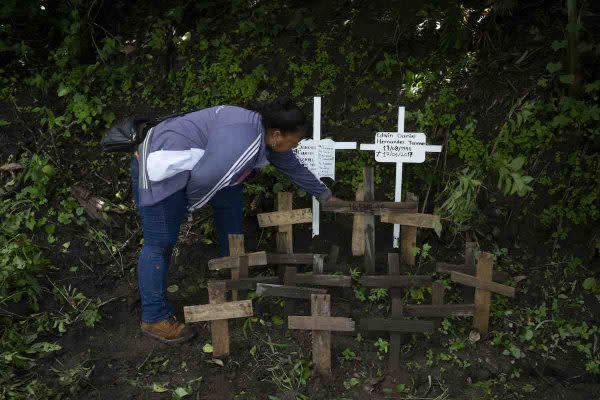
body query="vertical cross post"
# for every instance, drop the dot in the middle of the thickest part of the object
(236, 248)
(437, 299)
(320, 306)
(400, 147)
(284, 203)
(218, 312)
(396, 296)
(358, 225)
(319, 157)
(409, 237)
(321, 324)
(219, 329)
(471, 249)
(483, 297)
(484, 285)
(369, 220)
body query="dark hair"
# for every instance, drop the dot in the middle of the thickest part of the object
(284, 115)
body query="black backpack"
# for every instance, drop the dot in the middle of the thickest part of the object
(126, 133)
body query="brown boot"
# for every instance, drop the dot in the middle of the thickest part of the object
(168, 331)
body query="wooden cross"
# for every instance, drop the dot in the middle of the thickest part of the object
(218, 312)
(400, 147)
(409, 223)
(468, 267)
(321, 323)
(238, 262)
(363, 229)
(284, 219)
(318, 155)
(285, 216)
(395, 282)
(484, 286)
(290, 292)
(241, 281)
(292, 278)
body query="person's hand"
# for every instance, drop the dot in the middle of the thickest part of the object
(333, 199)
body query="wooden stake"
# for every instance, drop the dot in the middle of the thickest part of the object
(395, 281)
(285, 218)
(471, 251)
(219, 329)
(284, 203)
(248, 283)
(483, 284)
(437, 294)
(218, 311)
(396, 296)
(289, 292)
(291, 258)
(332, 258)
(320, 306)
(409, 219)
(358, 226)
(408, 238)
(236, 248)
(373, 207)
(369, 220)
(318, 267)
(321, 323)
(482, 297)
(283, 247)
(250, 260)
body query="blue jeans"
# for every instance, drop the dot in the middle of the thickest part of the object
(161, 223)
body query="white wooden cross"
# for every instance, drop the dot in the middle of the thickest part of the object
(318, 155)
(400, 147)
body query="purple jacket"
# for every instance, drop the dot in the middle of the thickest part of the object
(207, 150)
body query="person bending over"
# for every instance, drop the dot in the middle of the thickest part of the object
(203, 157)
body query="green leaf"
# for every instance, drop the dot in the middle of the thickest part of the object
(63, 90)
(180, 393)
(589, 284)
(553, 67)
(158, 388)
(207, 348)
(557, 45)
(567, 79)
(172, 288)
(276, 319)
(48, 170)
(517, 163)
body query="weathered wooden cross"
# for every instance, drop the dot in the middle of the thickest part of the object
(321, 323)
(238, 262)
(400, 147)
(468, 267)
(284, 219)
(410, 222)
(363, 229)
(218, 312)
(395, 282)
(484, 286)
(318, 155)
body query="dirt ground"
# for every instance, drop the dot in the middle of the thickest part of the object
(127, 365)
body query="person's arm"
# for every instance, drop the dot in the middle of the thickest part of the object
(289, 164)
(230, 150)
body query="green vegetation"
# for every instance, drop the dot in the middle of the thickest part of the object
(510, 90)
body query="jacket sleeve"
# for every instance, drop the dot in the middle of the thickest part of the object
(230, 150)
(289, 164)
